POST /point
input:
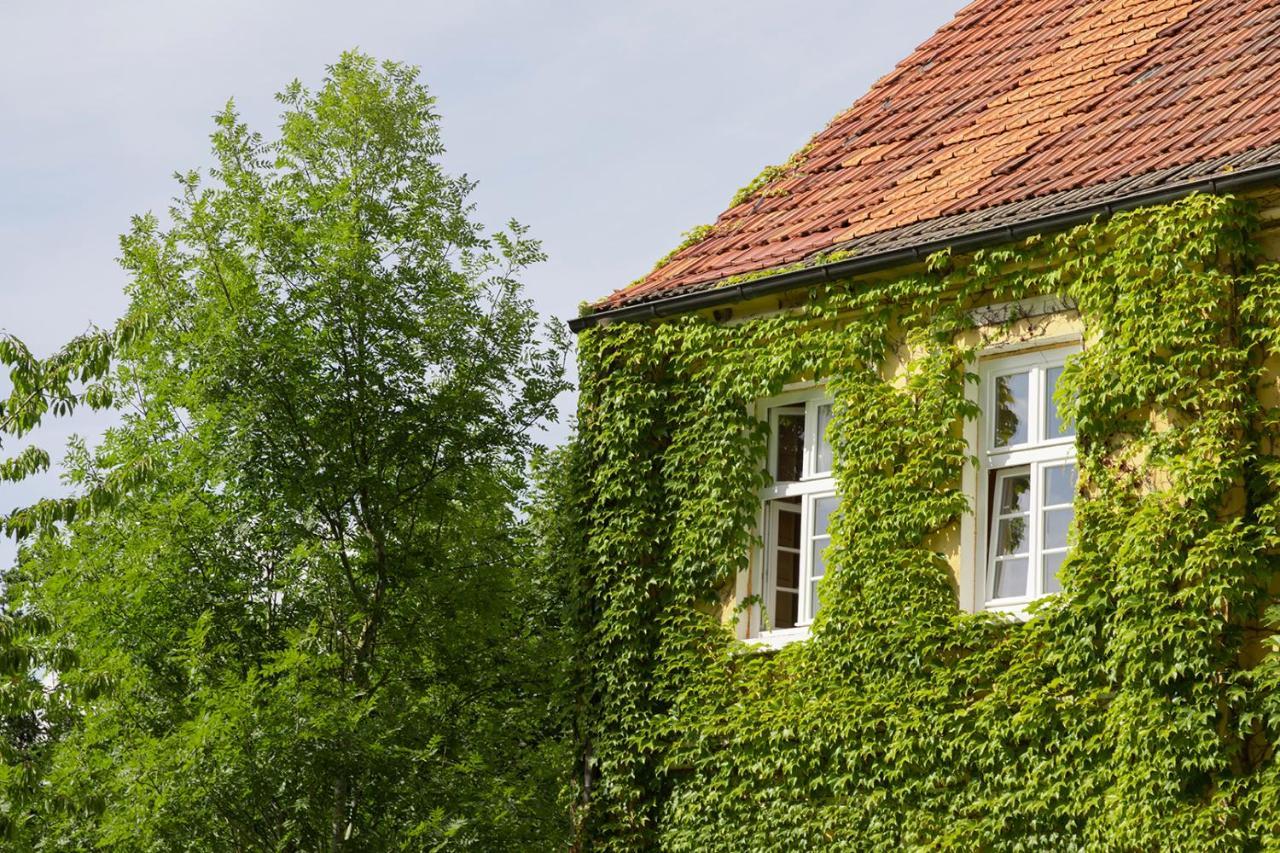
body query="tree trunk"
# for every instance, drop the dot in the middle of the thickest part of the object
(339, 838)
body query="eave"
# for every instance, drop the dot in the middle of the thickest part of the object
(968, 232)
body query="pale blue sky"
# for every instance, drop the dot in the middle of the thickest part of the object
(609, 128)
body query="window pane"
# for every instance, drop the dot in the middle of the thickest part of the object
(788, 569)
(1056, 522)
(790, 446)
(1011, 578)
(785, 607)
(1012, 393)
(1052, 562)
(814, 602)
(818, 566)
(1055, 426)
(822, 509)
(824, 458)
(1059, 485)
(1012, 538)
(1015, 494)
(789, 529)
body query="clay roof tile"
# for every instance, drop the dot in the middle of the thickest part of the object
(1014, 102)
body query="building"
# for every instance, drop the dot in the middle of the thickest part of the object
(951, 439)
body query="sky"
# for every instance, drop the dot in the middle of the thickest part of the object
(608, 128)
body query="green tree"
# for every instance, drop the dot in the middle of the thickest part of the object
(289, 606)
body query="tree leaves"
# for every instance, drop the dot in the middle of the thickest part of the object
(286, 606)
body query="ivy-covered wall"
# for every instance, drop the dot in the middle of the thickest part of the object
(1137, 709)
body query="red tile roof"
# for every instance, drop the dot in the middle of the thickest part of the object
(1014, 104)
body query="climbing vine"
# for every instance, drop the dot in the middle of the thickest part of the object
(760, 185)
(1139, 707)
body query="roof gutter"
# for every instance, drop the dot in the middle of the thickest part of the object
(982, 238)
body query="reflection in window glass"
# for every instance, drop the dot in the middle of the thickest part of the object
(1011, 546)
(1056, 522)
(1059, 484)
(814, 602)
(1053, 562)
(1015, 494)
(824, 459)
(1013, 537)
(1011, 578)
(818, 567)
(1055, 425)
(1012, 398)
(1059, 492)
(822, 509)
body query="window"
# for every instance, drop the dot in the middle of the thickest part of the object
(796, 513)
(1027, 479)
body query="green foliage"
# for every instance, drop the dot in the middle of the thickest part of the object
(760, 185)
(1137, 709)
(290, 607)
(694, 235)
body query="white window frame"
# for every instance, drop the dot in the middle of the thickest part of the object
(813, 484)
(1032, 457)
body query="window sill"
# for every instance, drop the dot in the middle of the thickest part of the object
(777, 639)
(1018, 609)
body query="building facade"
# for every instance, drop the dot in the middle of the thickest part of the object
(930, 496)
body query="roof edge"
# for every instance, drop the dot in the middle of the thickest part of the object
(784, 280)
